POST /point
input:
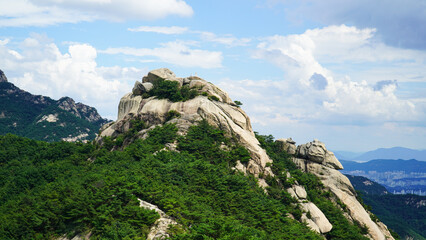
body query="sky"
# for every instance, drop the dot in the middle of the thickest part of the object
(349, 73)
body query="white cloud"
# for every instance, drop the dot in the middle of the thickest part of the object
(178, 53)
(311, 92)
(40, 68)
(49, 12)
(162, 30)
(227, 39)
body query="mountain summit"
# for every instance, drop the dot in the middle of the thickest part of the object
(42, 118)
(162, 98)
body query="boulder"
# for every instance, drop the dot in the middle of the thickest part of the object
(316, 151)
(141, 88)
(287, 145)
(317, 217)
(138, 88)
(161, 74)
(300, 192)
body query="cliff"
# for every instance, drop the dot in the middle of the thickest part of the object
(162, 98)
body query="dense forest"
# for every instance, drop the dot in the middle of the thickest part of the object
(405, 214)
(22, 114)
(48, 190)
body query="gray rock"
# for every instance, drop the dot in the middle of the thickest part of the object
(287, 145)
(3, 77)
(340, 186)
(232, 120)
(138, 89)
(161, 74)
(316, 151)
(148, 86)
(141, 88)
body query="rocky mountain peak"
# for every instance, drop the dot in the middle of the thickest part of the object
(192, 99)
(3, 77)
(80, 110)
(199, 100)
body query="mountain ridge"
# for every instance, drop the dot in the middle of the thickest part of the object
(40, 117)
(384, 153)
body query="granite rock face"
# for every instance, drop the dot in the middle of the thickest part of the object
(219, 111)
(314, 158)
(315, 151)
(287, 145)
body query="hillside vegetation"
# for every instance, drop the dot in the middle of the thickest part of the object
(405, 214)
(49, 190)
(43, 118)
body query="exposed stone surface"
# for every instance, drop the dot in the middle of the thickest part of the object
(141, 88)
(233, 120)
(129, 104)
(317, 160)
(300, 192)
(161, 226)
(161, 74)
(138, 88)
(3, 77)
(315, 151)
(80, 110)
(317, 217)
(287, 145)
(40, 110)
(317, 221)
(49, 118)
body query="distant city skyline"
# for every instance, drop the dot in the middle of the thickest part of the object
(349, 73)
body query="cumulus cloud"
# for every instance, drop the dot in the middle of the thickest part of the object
(399, 23)
(178, 53)
(49, 12)
(162, 30)
(311, 92)
(40, 68)
(227, 39)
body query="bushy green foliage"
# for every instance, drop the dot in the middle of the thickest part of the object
(172, 91)
(238, 103)
(402, 213)
(213, 98)
(172, 114)
(51, 189)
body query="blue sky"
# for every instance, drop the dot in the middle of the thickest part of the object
(349, 73)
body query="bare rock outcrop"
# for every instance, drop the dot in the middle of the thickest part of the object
(287, 145)
(213, 105)
(312, 215)
(161, 226)
(314, 158)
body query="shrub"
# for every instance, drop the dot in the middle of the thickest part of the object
(172, 114)
(213, 98)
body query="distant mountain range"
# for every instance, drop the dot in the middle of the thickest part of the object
(405, 213)
(42, 118)
(398, 176)
(383, 153)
